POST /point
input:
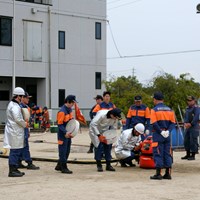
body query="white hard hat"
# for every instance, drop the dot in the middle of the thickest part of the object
(18, 91)
(139, 128)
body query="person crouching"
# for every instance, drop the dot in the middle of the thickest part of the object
(128, 144)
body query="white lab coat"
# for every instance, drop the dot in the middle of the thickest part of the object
(125, 144)
(99, 124)
(14, 129)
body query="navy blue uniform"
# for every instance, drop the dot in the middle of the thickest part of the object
(64, 144)
(162, 119)
(192, 133)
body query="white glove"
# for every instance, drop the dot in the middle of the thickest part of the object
(165, 134)
(147, 132)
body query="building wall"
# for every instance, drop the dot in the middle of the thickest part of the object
(72, 68)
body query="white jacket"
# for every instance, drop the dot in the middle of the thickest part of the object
(14, 129)
(99, 124)
(125, 144)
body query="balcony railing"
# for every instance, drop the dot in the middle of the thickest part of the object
(45, 2)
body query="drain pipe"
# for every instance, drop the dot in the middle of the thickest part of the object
(49, 95)
(13, 72)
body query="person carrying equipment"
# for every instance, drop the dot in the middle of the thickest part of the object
(14, 132)
(64, 137)
(99, 100)
(26, 151)
(103, 121)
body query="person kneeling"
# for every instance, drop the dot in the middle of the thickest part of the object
(128, 144)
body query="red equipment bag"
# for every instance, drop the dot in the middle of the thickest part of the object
(146, 157)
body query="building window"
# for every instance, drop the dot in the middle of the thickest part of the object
(98, 80)
(61, 98)
(98, 30)
(61, 39)
(45, 2)
(32, 41)
(5, 31)
(4, 95)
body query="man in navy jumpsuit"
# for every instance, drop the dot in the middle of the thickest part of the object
(26, 152)
(138, 113)
(191, 124)
(163, 121)
(64, 138)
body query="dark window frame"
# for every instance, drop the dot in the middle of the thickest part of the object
(98, 80)
(4, 95)
(61, 44)
(33, 1)
(61, 97)
(10, 29)
(97, 30)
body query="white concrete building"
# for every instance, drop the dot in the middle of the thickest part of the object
(52, 48)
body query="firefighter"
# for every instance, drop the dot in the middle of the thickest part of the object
(105, 105)
(26, 152)
(14, 132)
(163, 121)
(128, 143)
(64, 138)
(36, 114)
(103, 121)
(45, 119)
(191, 124)
(138, 113)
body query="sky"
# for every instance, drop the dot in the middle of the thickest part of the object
(137, 29)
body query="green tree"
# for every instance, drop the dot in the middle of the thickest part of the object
(123, 89)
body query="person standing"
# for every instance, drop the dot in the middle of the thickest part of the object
(45, 119)
(105, 104)
(103, 121)
(14, 132)
(26, 151)
(191, 124)
(163, 121)
(99, 99)
(138, 113)
(128, 143)
(64, 138)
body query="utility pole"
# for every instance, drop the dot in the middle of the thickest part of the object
(133, 72)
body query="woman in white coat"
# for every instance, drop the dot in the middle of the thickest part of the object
(128, 142)
(14, 132)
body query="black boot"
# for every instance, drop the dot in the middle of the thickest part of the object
(167, 174)
(158, 175)
(64, 169)
(123, 164)
(91, 148)
(131, 164)
(32, 166)
(109, 167)
(58, 166)
(186, 156)
(14, 172)
(192, 157)
(99, 166)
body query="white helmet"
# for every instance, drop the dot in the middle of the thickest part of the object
(18, 91)
(139, 128)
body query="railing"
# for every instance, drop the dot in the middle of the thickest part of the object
(45, 2)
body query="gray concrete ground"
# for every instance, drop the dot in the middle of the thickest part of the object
(87, 184)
